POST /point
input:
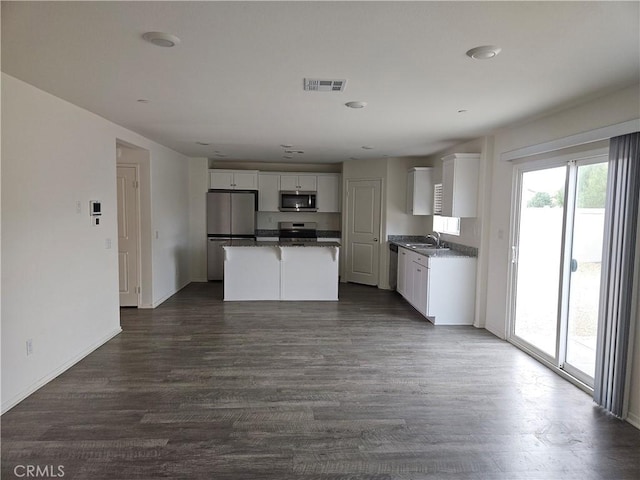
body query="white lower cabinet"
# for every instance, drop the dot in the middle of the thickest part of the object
(442, 288)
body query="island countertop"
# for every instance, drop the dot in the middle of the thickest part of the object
(255, 243)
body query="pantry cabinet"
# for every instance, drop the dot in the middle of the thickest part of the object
(460, 173)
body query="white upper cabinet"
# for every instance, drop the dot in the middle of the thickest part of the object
(268, 192)
(460, 173)
(299, 182)
(233, 179)
(420, 191)
(329, 189)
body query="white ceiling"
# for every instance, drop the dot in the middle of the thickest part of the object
(235, 80)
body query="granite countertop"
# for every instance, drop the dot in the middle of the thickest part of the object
(455, 250)
(255, 243)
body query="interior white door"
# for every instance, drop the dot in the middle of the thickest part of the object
(363, 230)
(128, 234)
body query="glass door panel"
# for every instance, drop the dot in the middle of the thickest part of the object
(539, 248)
(584, 266)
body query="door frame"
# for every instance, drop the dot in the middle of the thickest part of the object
(344, 258)
(138, 230)
(520, 167)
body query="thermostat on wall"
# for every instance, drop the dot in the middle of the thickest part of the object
(95, 211)
(95, 208)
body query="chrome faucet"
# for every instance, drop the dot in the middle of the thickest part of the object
(436, 238)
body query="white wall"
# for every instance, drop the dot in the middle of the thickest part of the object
(198, 186)
(170, 223)
(612, 109)
(394, 219)
(60, 281)
(634, 374)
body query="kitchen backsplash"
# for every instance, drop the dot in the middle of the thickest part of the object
(325, 221)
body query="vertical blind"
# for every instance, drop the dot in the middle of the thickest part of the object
(616, 294)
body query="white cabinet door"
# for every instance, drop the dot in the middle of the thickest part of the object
(402, 272)
(420, 191)
(451, 288)
(308, 182)
(329, 187)
(460, 173)
(420, 279)
(268, 192)
(220, 179)
(233, 179)
(299, 182)
(245, 180)
(288, 182)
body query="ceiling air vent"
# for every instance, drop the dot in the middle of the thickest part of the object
(316, 85)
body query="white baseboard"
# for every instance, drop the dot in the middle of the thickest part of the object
(12, 402)
(633, 419)
(167, 296)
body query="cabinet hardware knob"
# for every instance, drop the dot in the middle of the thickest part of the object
(375, 239)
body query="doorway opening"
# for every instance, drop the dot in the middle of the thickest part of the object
(132, 173)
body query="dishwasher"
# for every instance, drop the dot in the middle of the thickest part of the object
(393, 266)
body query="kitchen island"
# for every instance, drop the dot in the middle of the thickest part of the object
(280, 271)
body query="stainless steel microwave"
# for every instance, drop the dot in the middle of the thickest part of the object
(292, 201)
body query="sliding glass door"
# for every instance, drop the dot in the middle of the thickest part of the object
(556, 256)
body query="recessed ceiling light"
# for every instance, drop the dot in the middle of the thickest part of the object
(161, 39)
(142, 100)
(484, 52)
(367, 147)
(356, 104)
(203, 143)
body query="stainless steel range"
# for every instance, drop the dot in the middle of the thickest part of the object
(298, 232)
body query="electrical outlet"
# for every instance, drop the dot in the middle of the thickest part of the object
(29, 347)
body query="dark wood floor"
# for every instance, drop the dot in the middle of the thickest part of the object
(360, 389)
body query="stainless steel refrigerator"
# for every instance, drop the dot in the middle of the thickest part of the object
(231, 214)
